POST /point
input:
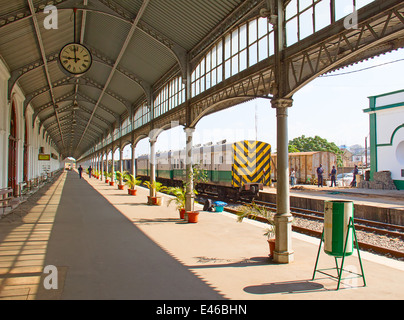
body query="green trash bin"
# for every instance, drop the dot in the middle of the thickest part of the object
(337, 215)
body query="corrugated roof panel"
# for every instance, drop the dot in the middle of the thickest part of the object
(147, 58)
(113, 104)
(105, 33)
(55, 39)
(128, 89)
(194, 18)
(18, 44)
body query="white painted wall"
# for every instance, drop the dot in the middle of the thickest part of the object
(35, 140)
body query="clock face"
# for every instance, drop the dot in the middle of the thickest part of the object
(75, 58)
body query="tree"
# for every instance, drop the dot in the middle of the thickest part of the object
(309, 144)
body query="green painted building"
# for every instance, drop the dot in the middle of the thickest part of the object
(386, 115)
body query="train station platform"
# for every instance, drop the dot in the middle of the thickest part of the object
(107, 244)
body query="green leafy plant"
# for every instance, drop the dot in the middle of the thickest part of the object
(179, 197)
(157, 186)
(257, 212)
(131, 181)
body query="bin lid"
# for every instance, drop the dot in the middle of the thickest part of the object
(220, 203)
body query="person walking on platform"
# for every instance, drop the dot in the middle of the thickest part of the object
(80, 171)
(320, 172)
(333, 174)
(89, 171)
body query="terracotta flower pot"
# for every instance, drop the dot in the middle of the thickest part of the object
(271, 243)
(111, 183)
(193, 216)
(154, 201)
(132, 192)
(182, 213)
(106, 181)
(120, 187)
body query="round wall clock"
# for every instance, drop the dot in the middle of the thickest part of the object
(75, 58)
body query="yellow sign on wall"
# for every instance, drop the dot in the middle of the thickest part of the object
(43, 157)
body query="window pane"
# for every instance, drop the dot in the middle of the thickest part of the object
(343, 8)
(322, 14)
(219, 73)
(208, 62)
(306, 23)
(243, 36)
(303, 4)
(262, 27)
(214, 77)
(291, 32)
(234, 42)
(252, 31)
(214, 56)
(220, 53)
(234, 65)
(263, 49)
(227, 70)
(227, 47)
(291, 9)
(253, 55)
(243, 60)
(362, 3)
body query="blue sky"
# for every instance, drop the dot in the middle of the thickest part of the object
(330, 107)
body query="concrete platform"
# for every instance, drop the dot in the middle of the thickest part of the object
(109, 245)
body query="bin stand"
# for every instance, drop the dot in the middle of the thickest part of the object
(341, 269)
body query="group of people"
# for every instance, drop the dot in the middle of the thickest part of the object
(320, 172)
(80, 169)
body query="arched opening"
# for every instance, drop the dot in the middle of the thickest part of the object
(12, 151)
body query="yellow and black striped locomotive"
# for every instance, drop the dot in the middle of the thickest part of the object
(231, 170)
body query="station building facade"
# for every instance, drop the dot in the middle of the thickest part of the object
(386, 115)
(22, 139)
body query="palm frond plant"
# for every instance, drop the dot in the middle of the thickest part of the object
(131, 182)
(106, 175)
(263, 214)
(119, 179)
(156, 187)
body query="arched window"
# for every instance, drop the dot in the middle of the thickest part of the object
(142, 116)
(169, 97)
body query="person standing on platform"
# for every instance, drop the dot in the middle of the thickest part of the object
(292, 177)
(333, 174)
(355, 172)
(320, 172)
(89, 171)
(80, 171)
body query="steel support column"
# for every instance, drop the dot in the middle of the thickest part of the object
(283, 218)
(112, 167)
(133, 167)
(152, 166)
(121, 164)
(189, 192)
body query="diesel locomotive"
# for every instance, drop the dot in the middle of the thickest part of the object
(231, 170)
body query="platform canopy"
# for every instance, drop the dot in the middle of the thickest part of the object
(135, 46)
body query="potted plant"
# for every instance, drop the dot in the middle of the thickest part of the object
(256, 212)
(106, 175)
(198, 175)
(131, 182)
(119, 179)
(157, 187)
(111, 178)
(179, 199)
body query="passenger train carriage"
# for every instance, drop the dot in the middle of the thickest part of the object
(233, 170)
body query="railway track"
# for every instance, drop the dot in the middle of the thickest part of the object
(376, 228)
